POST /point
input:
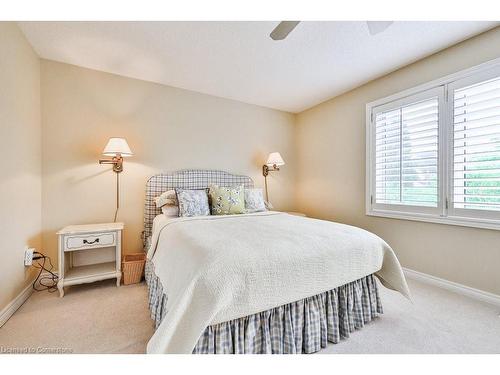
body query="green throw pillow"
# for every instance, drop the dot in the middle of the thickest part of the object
(227, 200)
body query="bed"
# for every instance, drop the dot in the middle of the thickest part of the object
(265, 282)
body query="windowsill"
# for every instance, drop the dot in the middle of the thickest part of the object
(449, 220)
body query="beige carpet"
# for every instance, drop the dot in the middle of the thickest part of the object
(100, 318)
(91, 318)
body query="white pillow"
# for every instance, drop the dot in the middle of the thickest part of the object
(170, 210)
(254, 201)
(169, 197)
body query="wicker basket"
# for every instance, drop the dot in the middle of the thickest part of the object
(133, 268)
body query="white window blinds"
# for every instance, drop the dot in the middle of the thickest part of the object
(476, 146)
(433, 152)
(406, 154)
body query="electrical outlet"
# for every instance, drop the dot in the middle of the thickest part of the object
(28, 256)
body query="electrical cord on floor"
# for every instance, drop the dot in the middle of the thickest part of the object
(45, 282)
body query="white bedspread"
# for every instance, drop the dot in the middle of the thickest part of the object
(219, 268)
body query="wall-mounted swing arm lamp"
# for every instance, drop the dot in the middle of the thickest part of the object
(117, 149)
(273, 163)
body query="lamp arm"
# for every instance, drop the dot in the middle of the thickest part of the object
(266, 169)
(117, 162)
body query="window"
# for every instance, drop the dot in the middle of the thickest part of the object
(406, 152)
(433, 152)
(476, 147)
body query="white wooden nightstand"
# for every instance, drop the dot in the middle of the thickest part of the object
(79, 239)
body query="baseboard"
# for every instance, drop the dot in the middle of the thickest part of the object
(476, 294)
(16, 303)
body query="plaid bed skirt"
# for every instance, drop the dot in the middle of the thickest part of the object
(303, 326)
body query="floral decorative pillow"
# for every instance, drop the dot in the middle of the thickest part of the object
(254, 201)
(192, 202)
(169, 197)
(227, 200)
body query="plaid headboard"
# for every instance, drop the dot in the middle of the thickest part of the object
(186, 179)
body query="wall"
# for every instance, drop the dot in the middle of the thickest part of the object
(331, 173)
(167, 128)
(20, 164)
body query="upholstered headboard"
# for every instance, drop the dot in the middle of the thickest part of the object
(185, 179)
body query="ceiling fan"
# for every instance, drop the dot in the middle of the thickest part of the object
(284, 28)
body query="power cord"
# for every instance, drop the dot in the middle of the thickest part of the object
(47, 282)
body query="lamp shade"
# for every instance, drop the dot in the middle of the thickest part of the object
(275, 158)
(117, 146)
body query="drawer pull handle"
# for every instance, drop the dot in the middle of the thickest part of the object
(90, 243)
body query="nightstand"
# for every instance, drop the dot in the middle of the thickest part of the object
(83, 240)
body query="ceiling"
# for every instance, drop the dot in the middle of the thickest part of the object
(238, 60)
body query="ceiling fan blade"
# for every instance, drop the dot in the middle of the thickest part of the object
(284, 28)
(376, 27)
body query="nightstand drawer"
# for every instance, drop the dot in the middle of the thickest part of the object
(89, 241)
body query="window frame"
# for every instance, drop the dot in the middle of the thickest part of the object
(445, 213)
